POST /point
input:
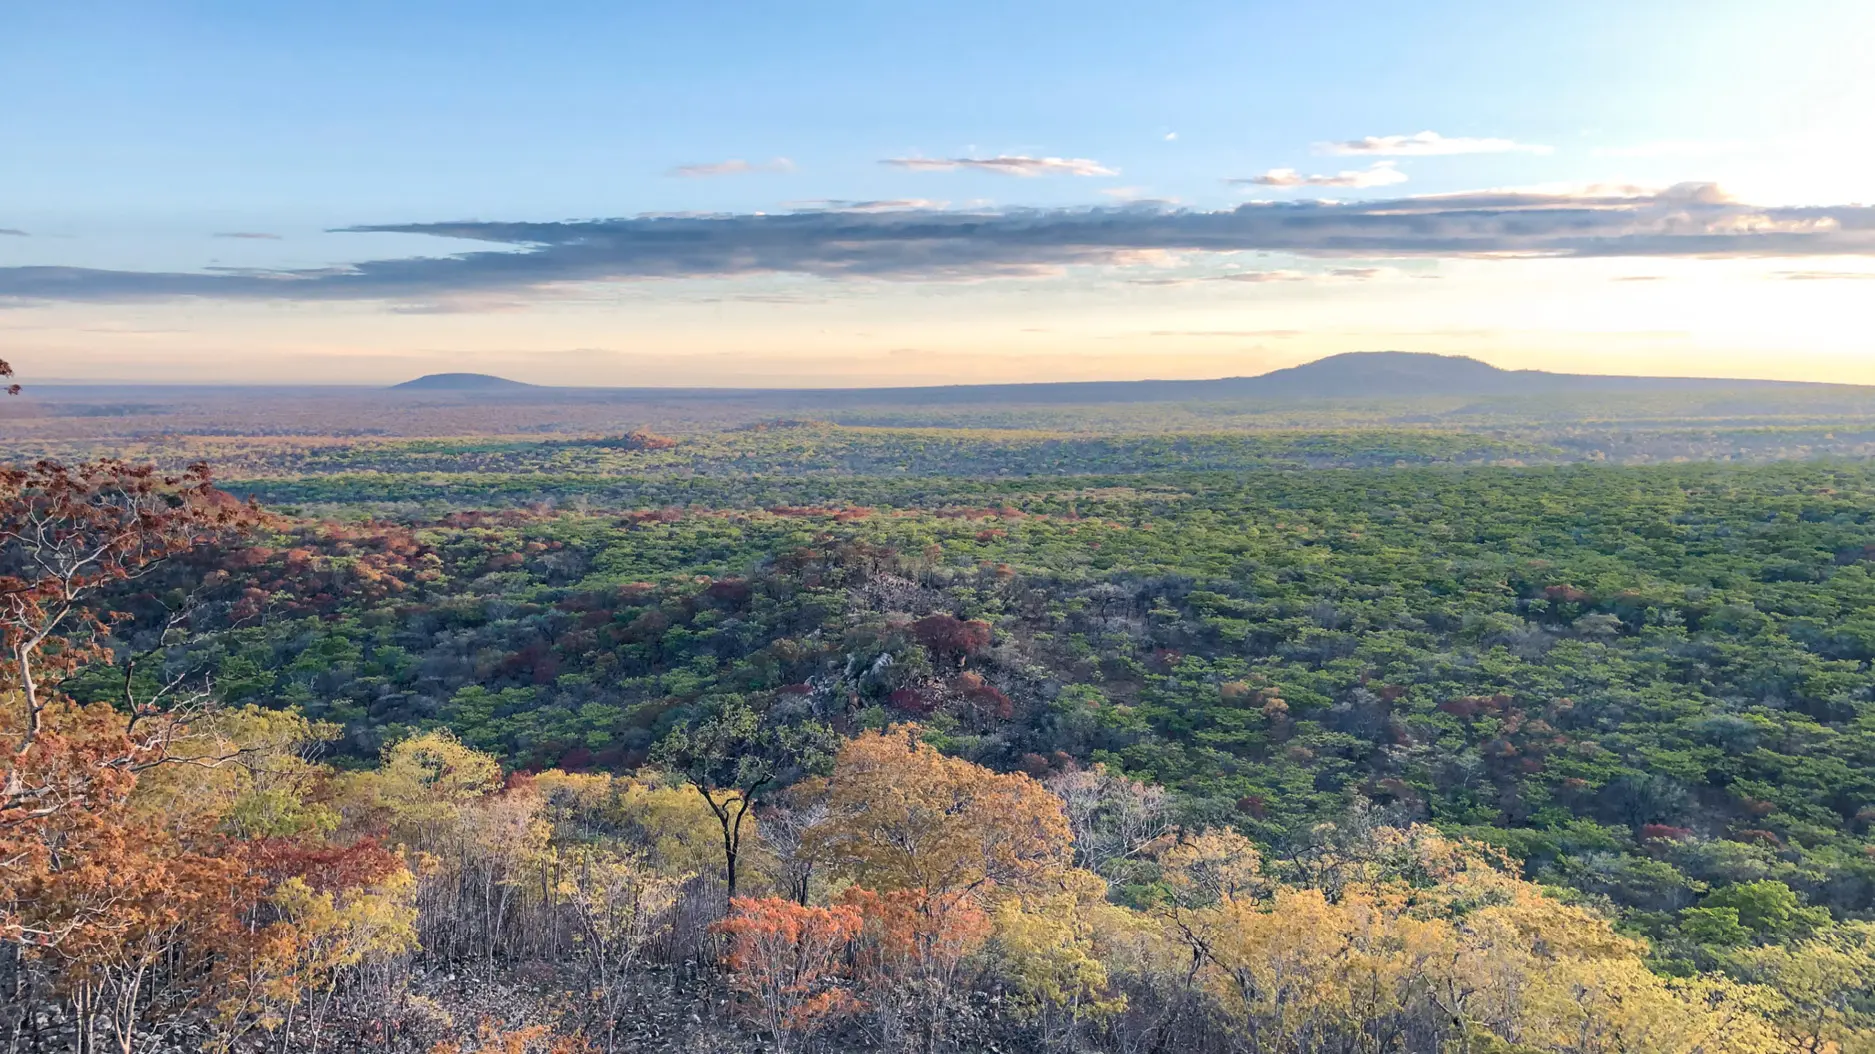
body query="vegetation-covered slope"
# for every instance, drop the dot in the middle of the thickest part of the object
(1647, 682)
(1396, 656)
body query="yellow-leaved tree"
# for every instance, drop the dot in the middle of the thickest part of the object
(1822, 987)
(932, 844)
(320, 935)
(1413, 941)
(617, 904)
(1052, 946)
(904, 816)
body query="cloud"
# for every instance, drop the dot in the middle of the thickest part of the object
(1594, 196)
(1007, 165)
(1640, 278)
(760, 298)
(13, 232)
(462, 306)
(1379, 174)
(1258, 277)
(1171, 137)
(1137, 196)
(1826, 276)
(1690, 220)
(249, 235)
(1355, 274)
(836, 205)
(731, 167)
(1427, 144)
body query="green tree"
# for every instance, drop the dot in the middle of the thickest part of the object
(734, 754)
(1766, 907)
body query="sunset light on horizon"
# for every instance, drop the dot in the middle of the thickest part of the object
(629, 195)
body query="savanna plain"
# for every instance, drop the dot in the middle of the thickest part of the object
(459, 718)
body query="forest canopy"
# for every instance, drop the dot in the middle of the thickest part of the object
(851, 738)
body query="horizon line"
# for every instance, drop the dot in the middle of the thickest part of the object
(28, 387)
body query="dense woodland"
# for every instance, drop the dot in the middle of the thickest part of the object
(806, 736)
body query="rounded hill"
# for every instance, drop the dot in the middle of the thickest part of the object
(461, 382)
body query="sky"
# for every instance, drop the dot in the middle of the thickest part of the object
(869, 193)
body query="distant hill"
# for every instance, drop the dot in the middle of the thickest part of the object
(461, 382)
(1355, 375)
(1352, 375)
(1371, 373)
(1365, 374)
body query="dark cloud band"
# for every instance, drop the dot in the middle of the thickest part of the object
(1693, 220)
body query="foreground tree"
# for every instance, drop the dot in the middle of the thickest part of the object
(932, 843)
(617, 905)
(734, 756)
(1436, 946)
(1114, 818)
(292, 980)
(1823, 987)
(906, 816)
(66, 535)
(784, 957)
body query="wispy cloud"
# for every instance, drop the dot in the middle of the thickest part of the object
(1379, 174)
(1348, 274)
(1265, 277)
(1617, 196)
(733, 166)
(1690, 220)
(260, 236)
(464, 305)
(1826, 276)
(1427, 144)
(1258, 277)
(1138, 196)
(1007, 165)
(13, 232)
(838, 205)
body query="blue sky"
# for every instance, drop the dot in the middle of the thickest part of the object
(135, 138)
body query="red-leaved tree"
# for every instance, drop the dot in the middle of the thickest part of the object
(66, 533)
(784, 957)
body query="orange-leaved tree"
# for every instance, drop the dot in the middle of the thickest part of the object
(66, 534)
(138, 919)
(932, 843)
(912, 940)
(784, 957)
(903, 815)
